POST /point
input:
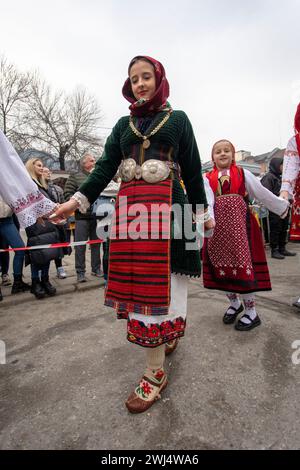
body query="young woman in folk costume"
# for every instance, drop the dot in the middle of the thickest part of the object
(290, 188)
(234, 259)
(147, 280)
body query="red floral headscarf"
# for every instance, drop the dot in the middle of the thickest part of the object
(158, 100)
(235, 171)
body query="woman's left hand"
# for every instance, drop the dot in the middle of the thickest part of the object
(209, 224)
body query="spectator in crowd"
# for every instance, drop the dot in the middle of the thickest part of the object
(56, 194)
(85, 224)
(41, 234)
(4, 263)
(10, 236)
(22, 197)
(278, 227)
(104, 208)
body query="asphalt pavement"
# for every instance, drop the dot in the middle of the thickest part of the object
(69, 370)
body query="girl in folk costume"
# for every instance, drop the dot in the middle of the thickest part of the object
(17, 188)
(147, 279)
(290, 187)
(234, 259)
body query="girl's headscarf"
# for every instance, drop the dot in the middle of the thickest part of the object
(159, 99)
(235, 172)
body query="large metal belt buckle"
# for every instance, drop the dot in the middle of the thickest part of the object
(127, 169)
(152, 171)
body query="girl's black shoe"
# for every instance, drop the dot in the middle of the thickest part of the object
(230, 318)
(241, 326)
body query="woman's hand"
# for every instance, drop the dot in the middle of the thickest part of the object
(63, 211)
(209, 224)
(284, 195)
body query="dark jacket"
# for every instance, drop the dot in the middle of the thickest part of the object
(55, 193)
(272, 179)
(38, 234)
(72, 185)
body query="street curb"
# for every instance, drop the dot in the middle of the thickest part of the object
(12, 300)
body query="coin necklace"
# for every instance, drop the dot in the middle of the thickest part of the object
(146, 142)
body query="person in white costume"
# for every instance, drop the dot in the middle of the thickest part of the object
(18, 190)
(290, 187)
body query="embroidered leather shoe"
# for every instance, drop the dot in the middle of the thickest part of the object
(147, 392)
(230, 318)
(241, 326)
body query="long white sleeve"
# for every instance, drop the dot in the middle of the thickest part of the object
(17, 188)
(210, 197)
(257, 191)
(291, 166)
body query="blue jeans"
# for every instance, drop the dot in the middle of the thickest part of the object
(4, 257)
(44, 270)
(10, 235)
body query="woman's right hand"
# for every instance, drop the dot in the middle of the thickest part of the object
(64, 210)
(284, 195)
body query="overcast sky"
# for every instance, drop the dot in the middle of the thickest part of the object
(233, 66)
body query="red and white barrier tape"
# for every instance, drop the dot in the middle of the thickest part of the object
(53, 245)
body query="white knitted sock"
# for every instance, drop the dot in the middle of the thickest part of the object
(234, 302)
(155, 358)
(249, 303)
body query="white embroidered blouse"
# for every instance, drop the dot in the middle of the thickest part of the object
(256, 191)
(291, 166)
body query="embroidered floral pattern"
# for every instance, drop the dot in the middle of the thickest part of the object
(249, 304)
(232, 296)
(144, 389)
(148, 388)
(30, 208)
(229, 249)
(159, 375)
(155, 334)
(24, 202)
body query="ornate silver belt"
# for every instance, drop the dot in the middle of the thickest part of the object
(151, 171)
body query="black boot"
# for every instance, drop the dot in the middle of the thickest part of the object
(275, 254)
(37, 289)
(283, 251)
(50, 290)
(19, 285)
(1, 296)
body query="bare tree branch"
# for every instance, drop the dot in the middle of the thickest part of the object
(14, 92)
